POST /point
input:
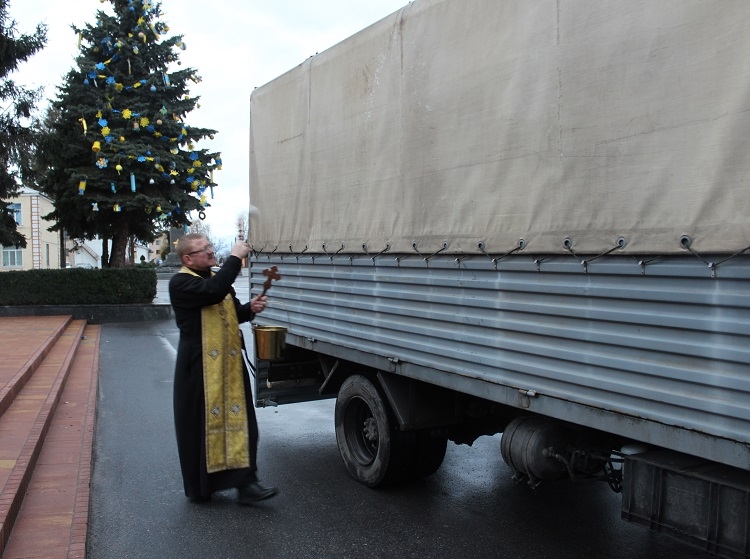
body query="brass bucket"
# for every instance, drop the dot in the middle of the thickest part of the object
(270, 342)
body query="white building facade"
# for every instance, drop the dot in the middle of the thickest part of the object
(42, 246)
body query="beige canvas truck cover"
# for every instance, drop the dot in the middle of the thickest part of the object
(459, 122)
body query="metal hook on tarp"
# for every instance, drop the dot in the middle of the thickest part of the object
(258, 252)
(520, 246)
(568, 245)
(331, 255)
(386, 249)
(686, 243)
(644, 263)
(296, 256)
(443, 247)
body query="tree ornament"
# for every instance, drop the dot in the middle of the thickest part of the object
(132, 182)
(81, 187)
(96, 147)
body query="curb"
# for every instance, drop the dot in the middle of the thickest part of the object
(93, 314)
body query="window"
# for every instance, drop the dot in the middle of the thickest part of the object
(12, 257)
(15, 211)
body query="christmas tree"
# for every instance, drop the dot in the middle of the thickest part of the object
(16, 105)
(122, 159)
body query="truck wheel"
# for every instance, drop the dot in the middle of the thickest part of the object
(367, 440)
(428, 453)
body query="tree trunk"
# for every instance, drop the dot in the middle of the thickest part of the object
(117, 259)
(105, 253)
(63, 250)
(131, 249)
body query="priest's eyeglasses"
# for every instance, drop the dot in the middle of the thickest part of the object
(207, 249)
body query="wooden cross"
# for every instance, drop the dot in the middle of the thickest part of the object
(271, 273)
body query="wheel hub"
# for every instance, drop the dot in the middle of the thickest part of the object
(371, 429)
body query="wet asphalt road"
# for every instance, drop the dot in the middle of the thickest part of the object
(469, 509)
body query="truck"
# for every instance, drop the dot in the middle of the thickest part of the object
(526, 218)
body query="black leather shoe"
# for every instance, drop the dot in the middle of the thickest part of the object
(200, 499)
(254, 492)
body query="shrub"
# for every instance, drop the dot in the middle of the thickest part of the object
(78, 286)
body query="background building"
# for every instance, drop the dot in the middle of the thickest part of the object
(42, 246)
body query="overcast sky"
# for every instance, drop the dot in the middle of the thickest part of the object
(235, 45)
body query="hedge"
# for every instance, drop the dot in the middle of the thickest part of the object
(79, 286)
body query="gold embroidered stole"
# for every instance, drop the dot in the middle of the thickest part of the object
(227, 438)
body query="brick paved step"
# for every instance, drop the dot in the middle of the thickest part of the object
(53, 519)
(25, 422)
(26, 341)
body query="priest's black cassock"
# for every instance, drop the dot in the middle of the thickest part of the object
(189, 293)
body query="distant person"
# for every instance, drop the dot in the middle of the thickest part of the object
(217, 432)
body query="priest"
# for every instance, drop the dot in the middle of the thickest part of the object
(217, 432)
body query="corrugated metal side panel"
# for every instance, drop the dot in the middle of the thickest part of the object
(666, 342)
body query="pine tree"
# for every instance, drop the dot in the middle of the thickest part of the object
(16, 104)
(122, 160)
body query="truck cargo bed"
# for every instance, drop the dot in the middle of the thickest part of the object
(654, 351)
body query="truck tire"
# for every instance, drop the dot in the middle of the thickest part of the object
(372, 449)
(428, 453)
